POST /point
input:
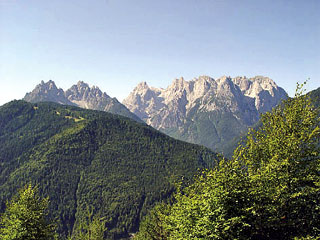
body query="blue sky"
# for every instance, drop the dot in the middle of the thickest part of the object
(115, 44)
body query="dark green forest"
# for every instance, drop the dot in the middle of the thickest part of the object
(82, 158)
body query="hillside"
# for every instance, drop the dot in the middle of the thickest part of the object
(206, 111)
(82, 158)
(315, 96)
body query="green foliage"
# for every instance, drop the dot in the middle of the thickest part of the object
(25, 217)
(269, 190)
(210, 208)
(152, 226)
(89, 228)
(283, 165)
(118, 166)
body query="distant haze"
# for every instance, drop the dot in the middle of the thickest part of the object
(117, 44)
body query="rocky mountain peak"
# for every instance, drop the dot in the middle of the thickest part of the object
(88, 97)
(243, 83)
(178, 83)
(80, 95)
(47, 92)
(203, 80)
(203, 107)
(50, 85)
(252, 86)
(81, 84)
(263, 90)
(224, 80)
(141, 86)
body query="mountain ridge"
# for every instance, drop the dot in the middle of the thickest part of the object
(194, 110)
(81, 95)
(203, 110)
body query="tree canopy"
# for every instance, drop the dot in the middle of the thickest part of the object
(270, 189)
(90, 227)
(25, 217)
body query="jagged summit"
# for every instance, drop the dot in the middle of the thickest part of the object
(90, 98)
(205, 110)
(45, 86)
(142, 85)
(205, 87)
(47, 92)
(82, 84)
(81, 95)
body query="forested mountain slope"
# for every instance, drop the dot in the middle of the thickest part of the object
(315, 96)
(82, 158)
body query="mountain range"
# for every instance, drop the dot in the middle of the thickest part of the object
(205, 111)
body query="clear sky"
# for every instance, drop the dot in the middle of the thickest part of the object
(115, 44)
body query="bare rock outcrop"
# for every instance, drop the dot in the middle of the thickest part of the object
(205, 110)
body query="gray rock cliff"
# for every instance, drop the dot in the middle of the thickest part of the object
(80, 95)
(204, 110)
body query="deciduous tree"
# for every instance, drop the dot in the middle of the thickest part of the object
(25, 217)
(270, 189)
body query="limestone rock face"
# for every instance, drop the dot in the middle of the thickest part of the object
(47, 92)
(90, 98)
(263, 90)
(204, 110)
(80, 95)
